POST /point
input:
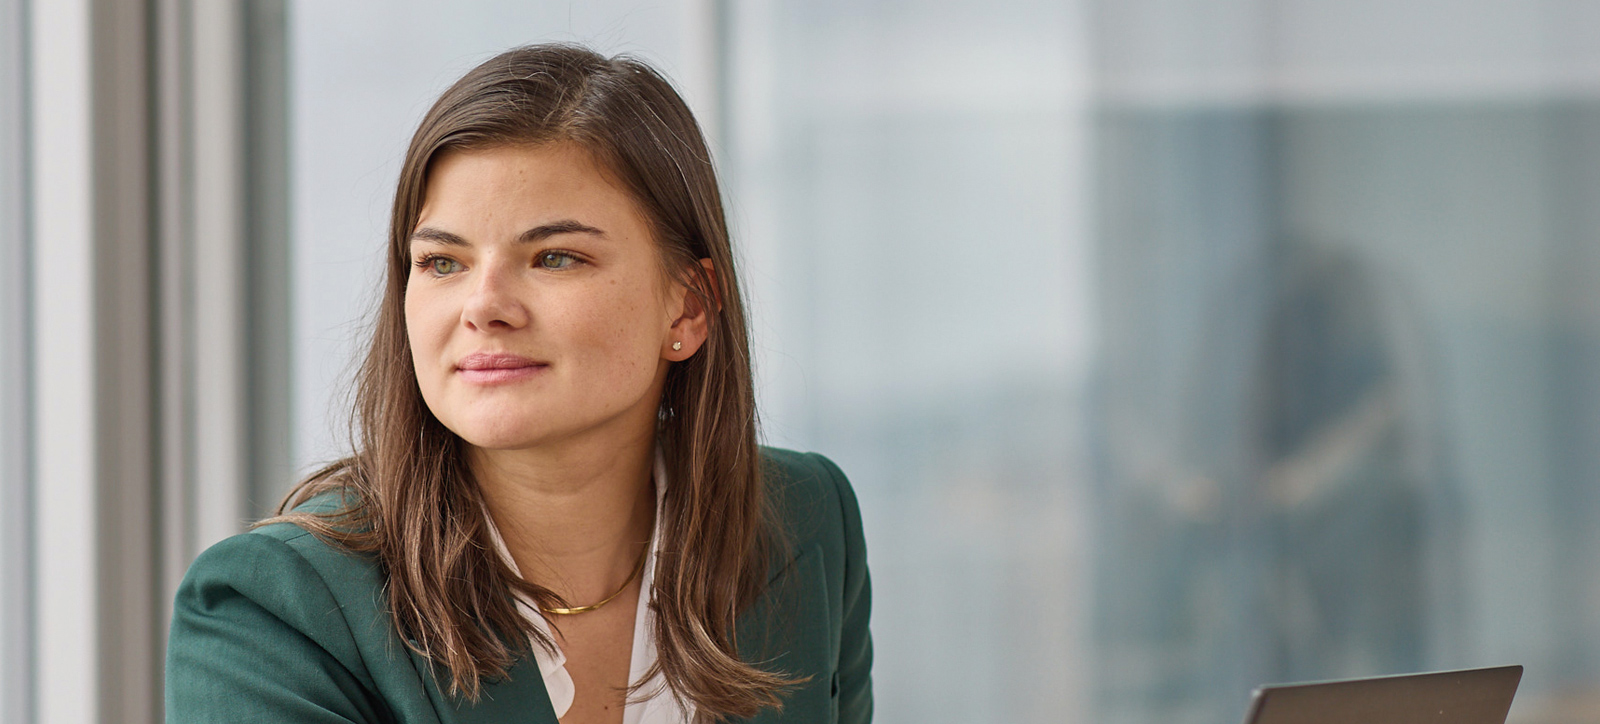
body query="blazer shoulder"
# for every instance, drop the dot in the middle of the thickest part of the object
(257, 627)
(811, 497)
(330, 594)
(802, 474)
(820, 593)
(326, 593)
(299, 624)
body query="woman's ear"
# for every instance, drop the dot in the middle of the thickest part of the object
(690, 329)
(707, 281)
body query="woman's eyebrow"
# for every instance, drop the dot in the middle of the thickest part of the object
(438, 236)
(537, 233)
(564, 226)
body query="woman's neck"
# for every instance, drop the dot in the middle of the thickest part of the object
(574, 519)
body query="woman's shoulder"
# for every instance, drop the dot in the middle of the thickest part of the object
(805, 475)
(284, 550)
(811, 498)
(294, 574)
(828, 597)
(280, 599)
(315, 587)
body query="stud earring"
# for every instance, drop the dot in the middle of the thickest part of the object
(677, 346)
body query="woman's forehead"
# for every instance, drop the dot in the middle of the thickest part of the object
(507, 183)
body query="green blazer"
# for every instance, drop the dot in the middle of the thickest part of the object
(276, 626)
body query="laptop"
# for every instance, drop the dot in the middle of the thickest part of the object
(1471, 696)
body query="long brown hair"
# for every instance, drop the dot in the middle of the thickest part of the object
(408, 495)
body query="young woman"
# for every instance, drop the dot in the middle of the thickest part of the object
(557, 509)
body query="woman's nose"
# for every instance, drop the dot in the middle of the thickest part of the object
(493, 302)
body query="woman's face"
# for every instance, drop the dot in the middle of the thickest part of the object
(536, 307)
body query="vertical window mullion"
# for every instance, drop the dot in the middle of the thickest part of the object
(16, 639)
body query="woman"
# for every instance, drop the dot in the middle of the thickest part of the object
(557, 508)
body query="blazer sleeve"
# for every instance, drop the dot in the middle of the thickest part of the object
(855, 643)
(257, 636)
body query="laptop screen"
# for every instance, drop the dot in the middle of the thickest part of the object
(1473, 696)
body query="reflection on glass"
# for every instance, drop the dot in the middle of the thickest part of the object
(1344, 367)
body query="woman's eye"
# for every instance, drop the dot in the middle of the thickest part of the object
(439, 265)
(555, 260)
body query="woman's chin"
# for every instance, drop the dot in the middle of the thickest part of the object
(504, 441)
(524, 426)
(501, 435)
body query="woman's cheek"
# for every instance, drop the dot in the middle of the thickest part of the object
(428, 336)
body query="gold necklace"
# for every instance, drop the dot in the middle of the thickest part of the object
(637, 569)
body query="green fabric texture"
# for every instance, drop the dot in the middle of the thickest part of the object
(276, 626)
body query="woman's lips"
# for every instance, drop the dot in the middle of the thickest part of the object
(494, 368)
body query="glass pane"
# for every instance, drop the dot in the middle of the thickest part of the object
(1349, 397)
(1347, 402)
(909, 186)
(1299, 382)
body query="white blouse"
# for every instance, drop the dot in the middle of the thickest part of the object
(658, 705)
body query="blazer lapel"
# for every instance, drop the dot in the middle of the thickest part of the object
(520, 697)
(787, 631)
